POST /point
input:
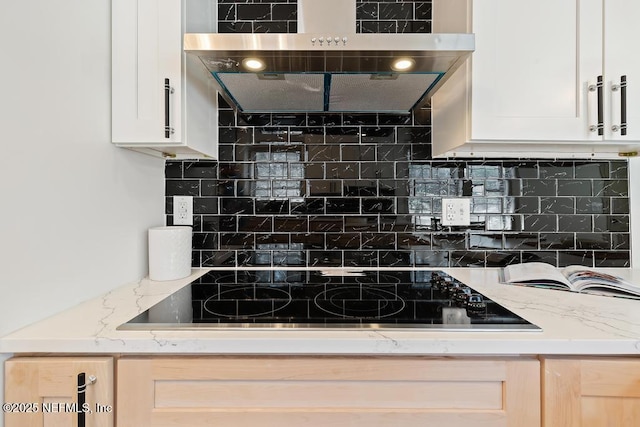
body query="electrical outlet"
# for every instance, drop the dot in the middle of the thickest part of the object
(182, 210)
(456, 211)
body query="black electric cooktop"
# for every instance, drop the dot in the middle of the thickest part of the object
(328, 299)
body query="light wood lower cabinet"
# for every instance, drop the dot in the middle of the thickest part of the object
(320, 391)
(591, 392)
(43, 391)
(327, 391)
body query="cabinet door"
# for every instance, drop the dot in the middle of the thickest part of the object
(621, 32)
(272, 391)
(531, 69)
(594, 392)
(146, 50)
(50, 386)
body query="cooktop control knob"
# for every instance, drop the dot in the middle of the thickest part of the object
(436, 282)
(476, 305)
(461, 297)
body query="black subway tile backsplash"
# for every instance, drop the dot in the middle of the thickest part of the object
(540, 223)
(578, 223)
(414, 26)
(557, 205)
(185, 187)
(575, 187)
(368, 11)
(271, 27)
(397, 11)
(284, 12)
(591, 170)
(616, 223)
(558, 240)
(235, 27)
(364, 189)
(611, 259)
(539, 187)
(423, 11)
(619, 205)
(595, 205)
(601, 241)
(566, 258)
(253, 12)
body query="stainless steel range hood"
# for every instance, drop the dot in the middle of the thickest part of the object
(327, 66)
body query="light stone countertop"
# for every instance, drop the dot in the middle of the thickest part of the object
(571, 324)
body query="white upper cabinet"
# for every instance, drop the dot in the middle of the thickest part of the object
(622, 64)
(163, 101)
(544, 80)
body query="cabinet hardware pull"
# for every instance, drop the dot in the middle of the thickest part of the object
(623, 105)
(599, 86)
(82, 388)
(622, 87)
(168, 90)
(599, 126)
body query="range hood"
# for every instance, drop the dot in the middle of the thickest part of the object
(327, 66)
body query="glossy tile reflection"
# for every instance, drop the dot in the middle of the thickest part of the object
(275, 210)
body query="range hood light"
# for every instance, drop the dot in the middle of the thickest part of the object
(253, 64)
(403, 64)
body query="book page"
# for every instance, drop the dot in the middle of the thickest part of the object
(584, 280)
(536, 274)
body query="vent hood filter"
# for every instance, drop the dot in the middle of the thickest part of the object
(324, 92)
(255, 93)
(336, 70)
(395, 93)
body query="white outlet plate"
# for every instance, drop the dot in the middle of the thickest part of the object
(182, 210)
(456, 211)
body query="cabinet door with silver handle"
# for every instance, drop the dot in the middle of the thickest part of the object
(622, 69)
(147, 72)
(61, 391)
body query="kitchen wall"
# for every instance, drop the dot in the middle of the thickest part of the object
(364, 190)
(75, 208)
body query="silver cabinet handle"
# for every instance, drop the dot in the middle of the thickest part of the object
(599, 126)
(623, 105)
(599, 85)
(168, 90)
(82, 388)
(622, 87)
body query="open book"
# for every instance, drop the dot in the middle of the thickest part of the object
(573, 278)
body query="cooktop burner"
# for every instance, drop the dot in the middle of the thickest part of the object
(328, 298)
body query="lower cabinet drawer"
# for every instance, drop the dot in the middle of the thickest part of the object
(321, 391)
